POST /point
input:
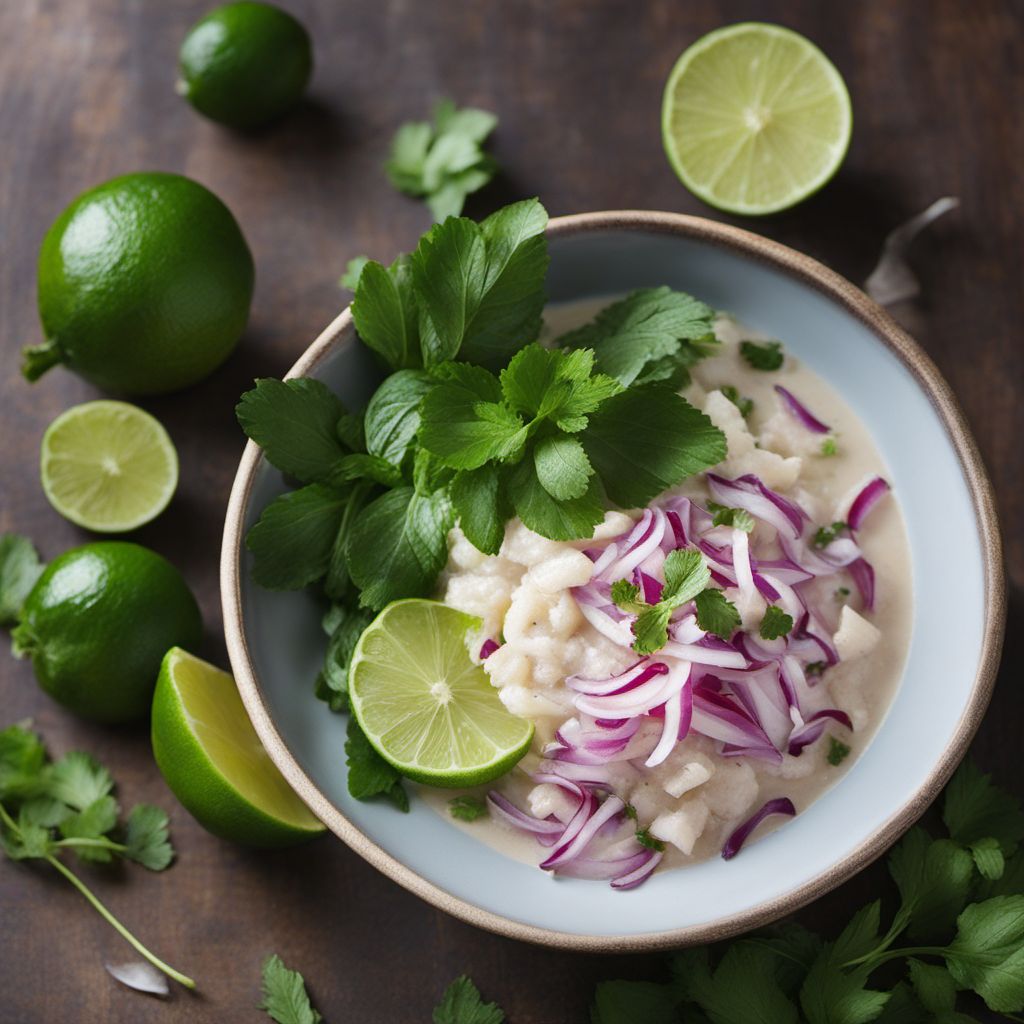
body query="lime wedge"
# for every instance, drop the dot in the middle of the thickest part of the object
(108, 466)
(755, 118)
(213, 761)
(423, 703)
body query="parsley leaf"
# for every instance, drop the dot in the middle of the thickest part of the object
(743, 989)
(284, 995)
(933, 986)
(369, 775)
(652, 327)
(332, 683)
(745, 405)
(295, 423)
(353, 271)
(716, 614)
(20, 567)
(386, 313)
(462, 1004)
(467, 808)
(630, 1002)
(988, 952)
(146, 839)
(762, 357)
(975, 809)
(838, 752)
(443, 162)
(392, 416)
(775, 623)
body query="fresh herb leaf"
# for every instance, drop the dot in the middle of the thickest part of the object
(360, 466)
(838, 752)
(386, 313)
(988, 857)
(975, 809)
(737, 518)
(392, 416)
(462, 1004)
(745, 405)
(716, 614)
(633, 1002)
(467, 808)
(295, 423)
(743, 989)
(332, 683)
(686, 575)
(775, 623)
(292, 542)
(652, 327)
(540, 512)
(353, 271)
(627, 596)
(762, 357)
(20, 567)
(644, 838)
(562, 466)
(475, 496)
(987, 954)
(285, 999)
(443, 162)
(22, 762)
(827, 534)
(146, 840)
(829, 447)
(93, 822)
(398, 546)
(841, 594)
(815, 669)
(646, 439)
(933, 986)
(78, 780)
(369, 775)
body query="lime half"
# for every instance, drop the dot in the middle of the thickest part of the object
(212, 759)
(108, 466)
(755, 118)
(423, 703)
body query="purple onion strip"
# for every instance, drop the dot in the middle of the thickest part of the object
(733, 845)
(801, 413)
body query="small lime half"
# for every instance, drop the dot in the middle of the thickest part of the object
(108, 466)
(426, 707)
(212, 759)
(755, 118)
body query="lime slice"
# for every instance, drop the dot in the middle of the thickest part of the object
(212, 759)
(108, 466)
(755, 118)
(423, 703)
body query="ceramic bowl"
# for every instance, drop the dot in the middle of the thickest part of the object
(276, 643)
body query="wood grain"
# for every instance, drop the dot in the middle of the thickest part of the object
(86, 92)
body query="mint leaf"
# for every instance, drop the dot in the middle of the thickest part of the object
(745, 405)
(467, 808)
(295, 423)
(975, 809)
(398, 545)
(540, 512)
(647, 439)
(743, 989)
(562, 467)
(475, 497)
(353, 271)
(369, 775)
(775, 623)
(934, 878)
(360, 466)
(20, 567)
(762, 357)
(462, 1004)
(392, 416)
(146, 839)
(284, 995)
(652, 327)
(386, 313)
(716, 614)
(332, 683)
(292, 541)
(78, 780)
(630, 1002)
(988, 952)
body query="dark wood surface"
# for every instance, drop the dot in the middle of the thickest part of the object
(86, 92)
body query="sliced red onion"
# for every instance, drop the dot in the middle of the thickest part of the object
(642, 540)
(686, 630)
(747, 492)
(634, 676)
(618, 631)
(733, 845)
(801, 412)
(563, 773)
(487, 648)
(678, 527)
(863, 576)
(812, 729)
(841, 552)
(579, 832)
(606, 558)
(764, 699)
(504, 809)
(650, 588)
(868, 497)
(720, 718)
(678, 711)
(636, 701)
(784, 569)
(709, 650)
(639, 874)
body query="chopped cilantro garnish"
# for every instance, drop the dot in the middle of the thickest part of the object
(738, 518)
(827, 534)
(830, 446)
(775, 623)
(762, 357)
(644, 838)
(745, 405)
(815, 669)
(467, 808)
(837, 751)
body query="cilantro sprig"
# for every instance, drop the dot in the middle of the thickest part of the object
(52, 808)
(767, 357)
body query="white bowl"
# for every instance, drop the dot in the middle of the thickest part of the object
(276, 643)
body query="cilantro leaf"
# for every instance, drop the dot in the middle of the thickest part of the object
(562, 466)
(933, 986)
(829, 447)
(650, 631)
(838, 752)
(386, 313)
(353, 271)
(775, 623)
(20, 567)
(398, 545)
(737, 518)
(332, 683)
(646, 439)
(29, 841)
(652, 326)
(369, 775)
(540, 512)
(462, 1004)
(716, 614)
(745, 405)
(975, 809)
(295, 423)
(987, 954)
(94, 821)
(78, 780)
(743, 988)
(146, 840)
(392, 416)
(476, 499)
(292, 542)
(22, 758)
(768, 356)
(629, 1002)
(827, 534)
(467, 808)
(686, 575)
(627, 596)
(284, 995)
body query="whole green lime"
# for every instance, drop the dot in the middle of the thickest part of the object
(98, 623)
(245, 64)
(144, 285)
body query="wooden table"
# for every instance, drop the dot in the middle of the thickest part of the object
(86, 92)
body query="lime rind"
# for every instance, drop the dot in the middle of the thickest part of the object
(724, 94)
(108, 466)
(425, 706)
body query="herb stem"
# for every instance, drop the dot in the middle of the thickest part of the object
(116, 925)
(101, 843)
(894, 954)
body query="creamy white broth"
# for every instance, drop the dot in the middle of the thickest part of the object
(864, 687)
